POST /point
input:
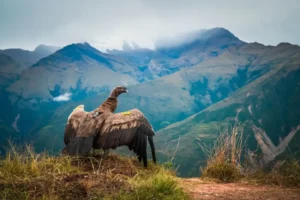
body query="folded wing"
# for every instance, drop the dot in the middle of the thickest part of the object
(73, 124)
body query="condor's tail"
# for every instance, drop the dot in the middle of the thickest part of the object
(139, 144)
(150, 139)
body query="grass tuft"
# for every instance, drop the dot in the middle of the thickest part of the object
(224, 156)
(223, 172)
(159, 184)
(26, 165)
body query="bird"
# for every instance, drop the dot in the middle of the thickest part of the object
(104, 129)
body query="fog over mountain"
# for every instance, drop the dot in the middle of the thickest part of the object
(105, 24)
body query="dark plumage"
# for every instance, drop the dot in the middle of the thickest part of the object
(102, 129)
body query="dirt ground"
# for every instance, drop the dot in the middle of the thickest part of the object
(199, 189)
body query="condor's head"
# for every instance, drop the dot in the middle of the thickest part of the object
(118, 90)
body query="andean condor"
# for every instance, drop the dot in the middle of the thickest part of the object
(103, 129)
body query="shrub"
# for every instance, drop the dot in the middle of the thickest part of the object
(222, 171)
(224, 156)
(287, 174)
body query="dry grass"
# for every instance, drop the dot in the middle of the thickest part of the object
(28, 175)
(285, 174)
(224, 156)
(224, 163)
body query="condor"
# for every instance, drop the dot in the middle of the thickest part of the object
(103, 129)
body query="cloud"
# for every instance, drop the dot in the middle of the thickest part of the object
(63, 97)
(105, 24)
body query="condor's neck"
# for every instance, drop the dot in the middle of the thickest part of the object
(110, 104)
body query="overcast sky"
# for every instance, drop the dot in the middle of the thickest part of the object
(105, 24)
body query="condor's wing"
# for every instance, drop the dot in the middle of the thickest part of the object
(73, 123)
(75, 145)
(120, 128)
(129, 128)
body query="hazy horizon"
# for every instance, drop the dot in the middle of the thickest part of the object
(106, 24)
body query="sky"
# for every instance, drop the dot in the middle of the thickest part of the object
(106, 24)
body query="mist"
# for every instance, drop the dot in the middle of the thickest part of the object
(106, 24)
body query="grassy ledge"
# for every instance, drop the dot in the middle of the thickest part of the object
(28, 175)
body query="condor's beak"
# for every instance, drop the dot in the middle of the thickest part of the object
(126, 91)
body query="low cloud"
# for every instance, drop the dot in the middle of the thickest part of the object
(105, 24)
(63, 97)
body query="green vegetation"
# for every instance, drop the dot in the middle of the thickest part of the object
(160, 185)
(27, 175)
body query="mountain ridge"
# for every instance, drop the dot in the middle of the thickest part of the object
(27, 57)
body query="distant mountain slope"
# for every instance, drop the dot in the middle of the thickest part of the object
(9, 71)
(27, 58)
(14, 61)
(71, 69)
(270, 102)
(181, 51)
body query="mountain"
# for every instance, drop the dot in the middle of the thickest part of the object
(26, 57)
(69, 61)
(74, 68)
(185, 50)
(9, 71)
(188, 87)
(203, 38)
(14, 61)
(269, 102)
(44, 50)
(84, 71)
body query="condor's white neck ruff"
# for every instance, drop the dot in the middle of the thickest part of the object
(77, 109)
